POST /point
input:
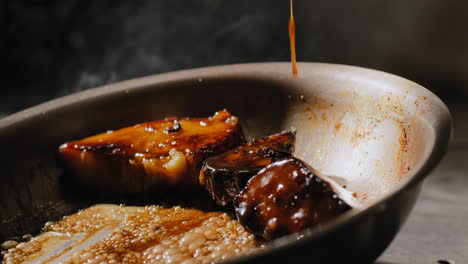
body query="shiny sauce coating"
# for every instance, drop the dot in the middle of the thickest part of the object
(225, 175)
(284, 198)
(154, 154)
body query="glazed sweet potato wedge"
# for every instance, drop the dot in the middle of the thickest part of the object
(225, 175)
(287, 197)
(155, 154)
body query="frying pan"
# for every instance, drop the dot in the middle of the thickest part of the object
(376, 133)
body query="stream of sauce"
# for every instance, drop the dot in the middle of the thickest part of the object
(292, 39)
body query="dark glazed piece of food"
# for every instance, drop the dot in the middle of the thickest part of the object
(168, 152)
(284, 198)
(225, 175)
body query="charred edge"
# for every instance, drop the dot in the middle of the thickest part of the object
(174, 128)
(274, 154)
(121, 151)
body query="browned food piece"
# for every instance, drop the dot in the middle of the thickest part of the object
(161, 153)
(284, 198)
(225, 175)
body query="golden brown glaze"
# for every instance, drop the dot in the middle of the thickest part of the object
(168, 152)
(284, 198)
(225, 175)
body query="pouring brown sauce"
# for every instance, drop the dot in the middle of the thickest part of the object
(292, 39)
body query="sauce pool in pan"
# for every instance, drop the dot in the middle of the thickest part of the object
(126, 234)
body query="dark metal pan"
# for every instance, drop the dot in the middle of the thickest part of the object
(381, 134)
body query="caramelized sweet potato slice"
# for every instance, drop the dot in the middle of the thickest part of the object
(225, 175)
(286, 197)
(159, 153)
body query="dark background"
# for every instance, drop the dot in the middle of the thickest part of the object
(52, 48)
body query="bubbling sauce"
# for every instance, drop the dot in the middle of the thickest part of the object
(126, 234)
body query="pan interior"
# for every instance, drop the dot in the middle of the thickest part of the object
(367, 136)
